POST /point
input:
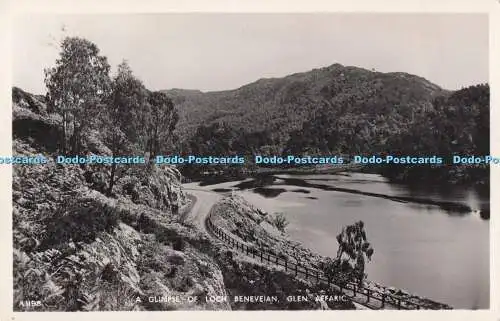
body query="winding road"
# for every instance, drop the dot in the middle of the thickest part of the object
(205, 199)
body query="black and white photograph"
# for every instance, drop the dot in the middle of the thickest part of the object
(250, 161)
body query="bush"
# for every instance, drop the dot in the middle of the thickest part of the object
(178, 244)
(80, 220)
(279, 221)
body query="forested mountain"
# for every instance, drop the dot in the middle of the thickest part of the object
(275, 107)
(341, 110)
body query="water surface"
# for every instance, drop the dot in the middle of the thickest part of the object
(424, 248)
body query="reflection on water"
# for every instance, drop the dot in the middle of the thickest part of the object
(221, 190)
(432, 242)
(269, 192)
(453, 201)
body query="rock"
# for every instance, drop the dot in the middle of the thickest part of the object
(52, 196)
(22, 201)
(31, 102)
(198, 290)
(176, 258)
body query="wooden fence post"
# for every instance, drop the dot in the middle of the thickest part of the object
(261, 259)
(306, 272)
(296, 269)
(368, 295)
(286, 265)
(383, 300)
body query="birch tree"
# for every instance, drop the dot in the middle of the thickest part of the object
(76, 88)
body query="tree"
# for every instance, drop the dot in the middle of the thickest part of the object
(354, 250)
(352, 253)
(116, 140)
(215, 139)
(76, 88)
(129, 106)
(122, 122)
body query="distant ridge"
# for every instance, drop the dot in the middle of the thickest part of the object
(281, 105)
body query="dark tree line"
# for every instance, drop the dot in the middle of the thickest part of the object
(221, 139)
(450, 125)
(130, 119)
(457, 125)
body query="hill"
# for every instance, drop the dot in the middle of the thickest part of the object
(342, 110)
(277, 106)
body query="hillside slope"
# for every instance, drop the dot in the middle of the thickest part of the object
(76, 249)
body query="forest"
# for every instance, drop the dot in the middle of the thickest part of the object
(455, 124)
(344, 111)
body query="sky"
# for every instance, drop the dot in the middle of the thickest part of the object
(213, 52)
